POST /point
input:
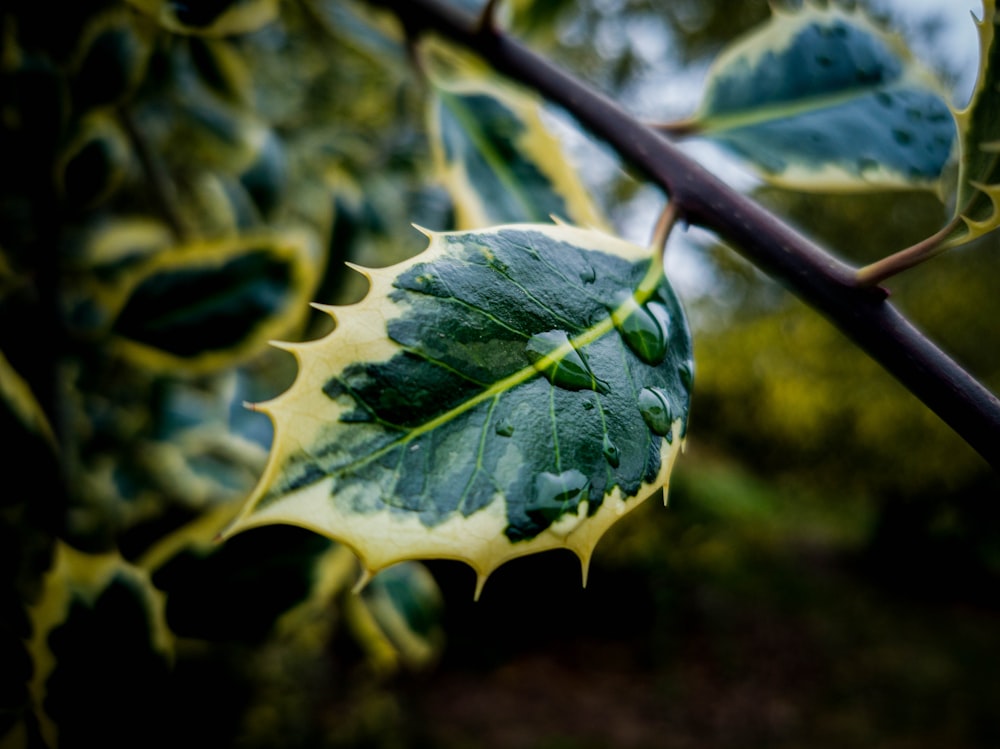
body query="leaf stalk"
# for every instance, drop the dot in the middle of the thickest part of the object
(887, 267)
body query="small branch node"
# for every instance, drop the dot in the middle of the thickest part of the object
(664, 226)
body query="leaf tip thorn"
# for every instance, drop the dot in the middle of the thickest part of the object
(363, 580)
(480, 582)
(328, 309)
(584, 569)
(283, 346)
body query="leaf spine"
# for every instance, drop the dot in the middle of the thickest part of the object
(363, 579)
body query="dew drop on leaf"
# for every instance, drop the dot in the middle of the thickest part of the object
(504, 428)
(552, 354)
(645, 330)
(588, 275)
(686, 371)
(611, 452)
(557, 494)
(654, 405)
(902, 137)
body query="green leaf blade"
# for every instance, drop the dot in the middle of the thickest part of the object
(822, 99)
(976, 211)
(481, 133)
(246, 290)
(446, 438)
(493, 151)
(903, 136)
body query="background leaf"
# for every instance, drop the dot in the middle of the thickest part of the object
(499, 161)
(397, 617)
(199, 306)
(98, 615)
(822, 99)
(979, 126)
(18, 404)
(505, 392)
(214, 18)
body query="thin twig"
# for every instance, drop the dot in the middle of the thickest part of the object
(664, 226)
(676, 128)
(887, 267)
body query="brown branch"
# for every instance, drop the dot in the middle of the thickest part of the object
(823, 282)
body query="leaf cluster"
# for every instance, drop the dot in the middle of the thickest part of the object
(170, 197)
(182, 179)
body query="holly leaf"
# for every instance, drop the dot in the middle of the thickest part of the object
(976, 211)
(197, 307)
(494, 153)
(505, 392)
(823, 99)
(397, 618)
(218, 18)
(98, 614)
(19, 406)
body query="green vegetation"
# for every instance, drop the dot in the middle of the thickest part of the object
(181, 180)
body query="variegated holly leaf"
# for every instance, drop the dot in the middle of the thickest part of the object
(821, 98)
(493, 152)
(397, 617)
(94, 163)
(197, 307)
(217, 18)
(505, 392)
(237, 592)
(98, 614)
(979, 128)
(111, 59)
(18, 403)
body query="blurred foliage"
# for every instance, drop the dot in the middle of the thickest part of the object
(151, 148)
(180, 181)
(791, 394)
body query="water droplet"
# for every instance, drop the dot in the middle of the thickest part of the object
(588, 275)
(504, 428)
(557, 495)
(552, 354)
(611, 452)
(654, 405)
(867, 163)
(645, 330)
(884, 99)
(686, 371)
(902, 137)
